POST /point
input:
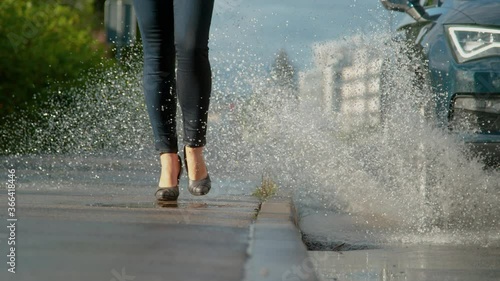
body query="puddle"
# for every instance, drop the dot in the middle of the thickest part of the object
(159, 205)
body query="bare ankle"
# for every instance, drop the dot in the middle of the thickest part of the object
(197, 168)
(170, 169)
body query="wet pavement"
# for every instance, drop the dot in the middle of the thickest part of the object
(418, 263)
(106, 227)
(80, 235)
(77, 236)
(367, 249)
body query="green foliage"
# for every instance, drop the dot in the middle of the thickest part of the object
(275, 97)
(43, 42)
(283, 72)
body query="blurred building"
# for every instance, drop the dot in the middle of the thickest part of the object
(344, 80)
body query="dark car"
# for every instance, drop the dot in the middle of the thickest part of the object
(458, 42)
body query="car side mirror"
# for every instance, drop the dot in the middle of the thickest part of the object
(411, 7)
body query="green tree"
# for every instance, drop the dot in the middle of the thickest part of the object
(284, 75)
(269, 102)
(41, 43)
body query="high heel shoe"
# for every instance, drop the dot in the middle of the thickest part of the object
(169, 193)
(197, 187)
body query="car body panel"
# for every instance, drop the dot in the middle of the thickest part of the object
(448, 77)
(486, 12)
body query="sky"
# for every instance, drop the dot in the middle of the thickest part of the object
(256, 29)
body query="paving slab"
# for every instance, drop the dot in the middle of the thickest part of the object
(78, 236)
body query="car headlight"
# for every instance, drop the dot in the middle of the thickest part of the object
(474, 42)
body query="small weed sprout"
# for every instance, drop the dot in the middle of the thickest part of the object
(267, 188)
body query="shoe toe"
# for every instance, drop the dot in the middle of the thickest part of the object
(202, 190)
(200, 187)
(167, 194)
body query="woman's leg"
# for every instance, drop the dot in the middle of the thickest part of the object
(156, 22)
(194, 77)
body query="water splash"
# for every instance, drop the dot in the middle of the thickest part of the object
(320, 137)
(405, 175)
(414, 177)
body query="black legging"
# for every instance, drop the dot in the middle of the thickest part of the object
(173, 29)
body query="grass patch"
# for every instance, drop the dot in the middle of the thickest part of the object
(267, 188)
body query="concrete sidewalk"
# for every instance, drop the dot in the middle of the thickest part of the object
(79, 236)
